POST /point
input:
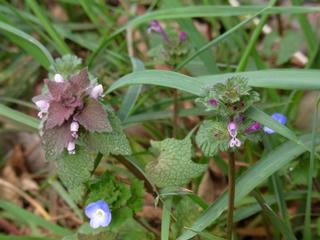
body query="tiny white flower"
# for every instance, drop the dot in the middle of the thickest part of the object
(96, 92)
(58, 78)
(71, 147)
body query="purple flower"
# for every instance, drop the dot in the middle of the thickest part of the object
(240, 117)
(233, 131)
(155, 26)
(253, 128)
(99, 214)
(182, 37)
(280, 118)
(67, 105)
(213, 102)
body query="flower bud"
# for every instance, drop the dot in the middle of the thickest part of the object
(97, 92)
(71, 147)
(253, 128)
(182, 37)
(43, 106)
(74, 126)
(213, 102)
(58, 78)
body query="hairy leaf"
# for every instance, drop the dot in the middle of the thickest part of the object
(174, 166)
(114, 142)
(109, 190)
(136, 200)
(74, 170)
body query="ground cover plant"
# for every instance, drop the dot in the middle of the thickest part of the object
(128, 119)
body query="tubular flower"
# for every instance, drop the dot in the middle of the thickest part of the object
(96, 92)
(99, 214)
(182, 37)
(280, 118)
(155, 26)
(253, 128)
(68, 104)
(233, 131)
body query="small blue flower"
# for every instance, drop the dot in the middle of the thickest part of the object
(280, 118)
(99, 214)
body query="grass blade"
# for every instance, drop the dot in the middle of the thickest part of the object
(198, 11)
(218, 39)
(253, 40)
(165, 220)
(307, 219)
(29, 217)
(249, 180)
(63, 47)
(196, 38)
(275, 220)
(132, 94)
(28, 43)
(19, 117)
(3, 237)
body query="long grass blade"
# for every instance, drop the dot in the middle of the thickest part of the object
(28, 43)
(275, 220)
(29, 217)
(249, 180)
(307, 220)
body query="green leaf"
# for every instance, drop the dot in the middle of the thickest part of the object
(285, 79)
(274, 78)
(185, 205)
(174, 166)
(74, 170)
(109, 190)
(132, 94)
(289, 44)
(119, 217)
(276, 221)
(249, 180)
(195, 37)
(4, 237)
(206, 140)
(28, 43)
(135, 202)
(198, 11)
(19, 117)
(114, 142)
(63, 47)
(67, 66)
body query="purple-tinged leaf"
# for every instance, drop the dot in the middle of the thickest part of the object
(57, 114)
(93, 117)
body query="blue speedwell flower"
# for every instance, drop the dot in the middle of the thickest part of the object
(99, 214)
(280, 118)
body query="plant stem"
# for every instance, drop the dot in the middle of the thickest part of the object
(231, 184)
(175, 113)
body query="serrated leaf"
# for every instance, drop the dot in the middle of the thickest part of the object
(207, 140)
(174, 166)
(109, 190)
(114, 142)
(119, 217)
(67, 65)
(74, 170)
(136, 200)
